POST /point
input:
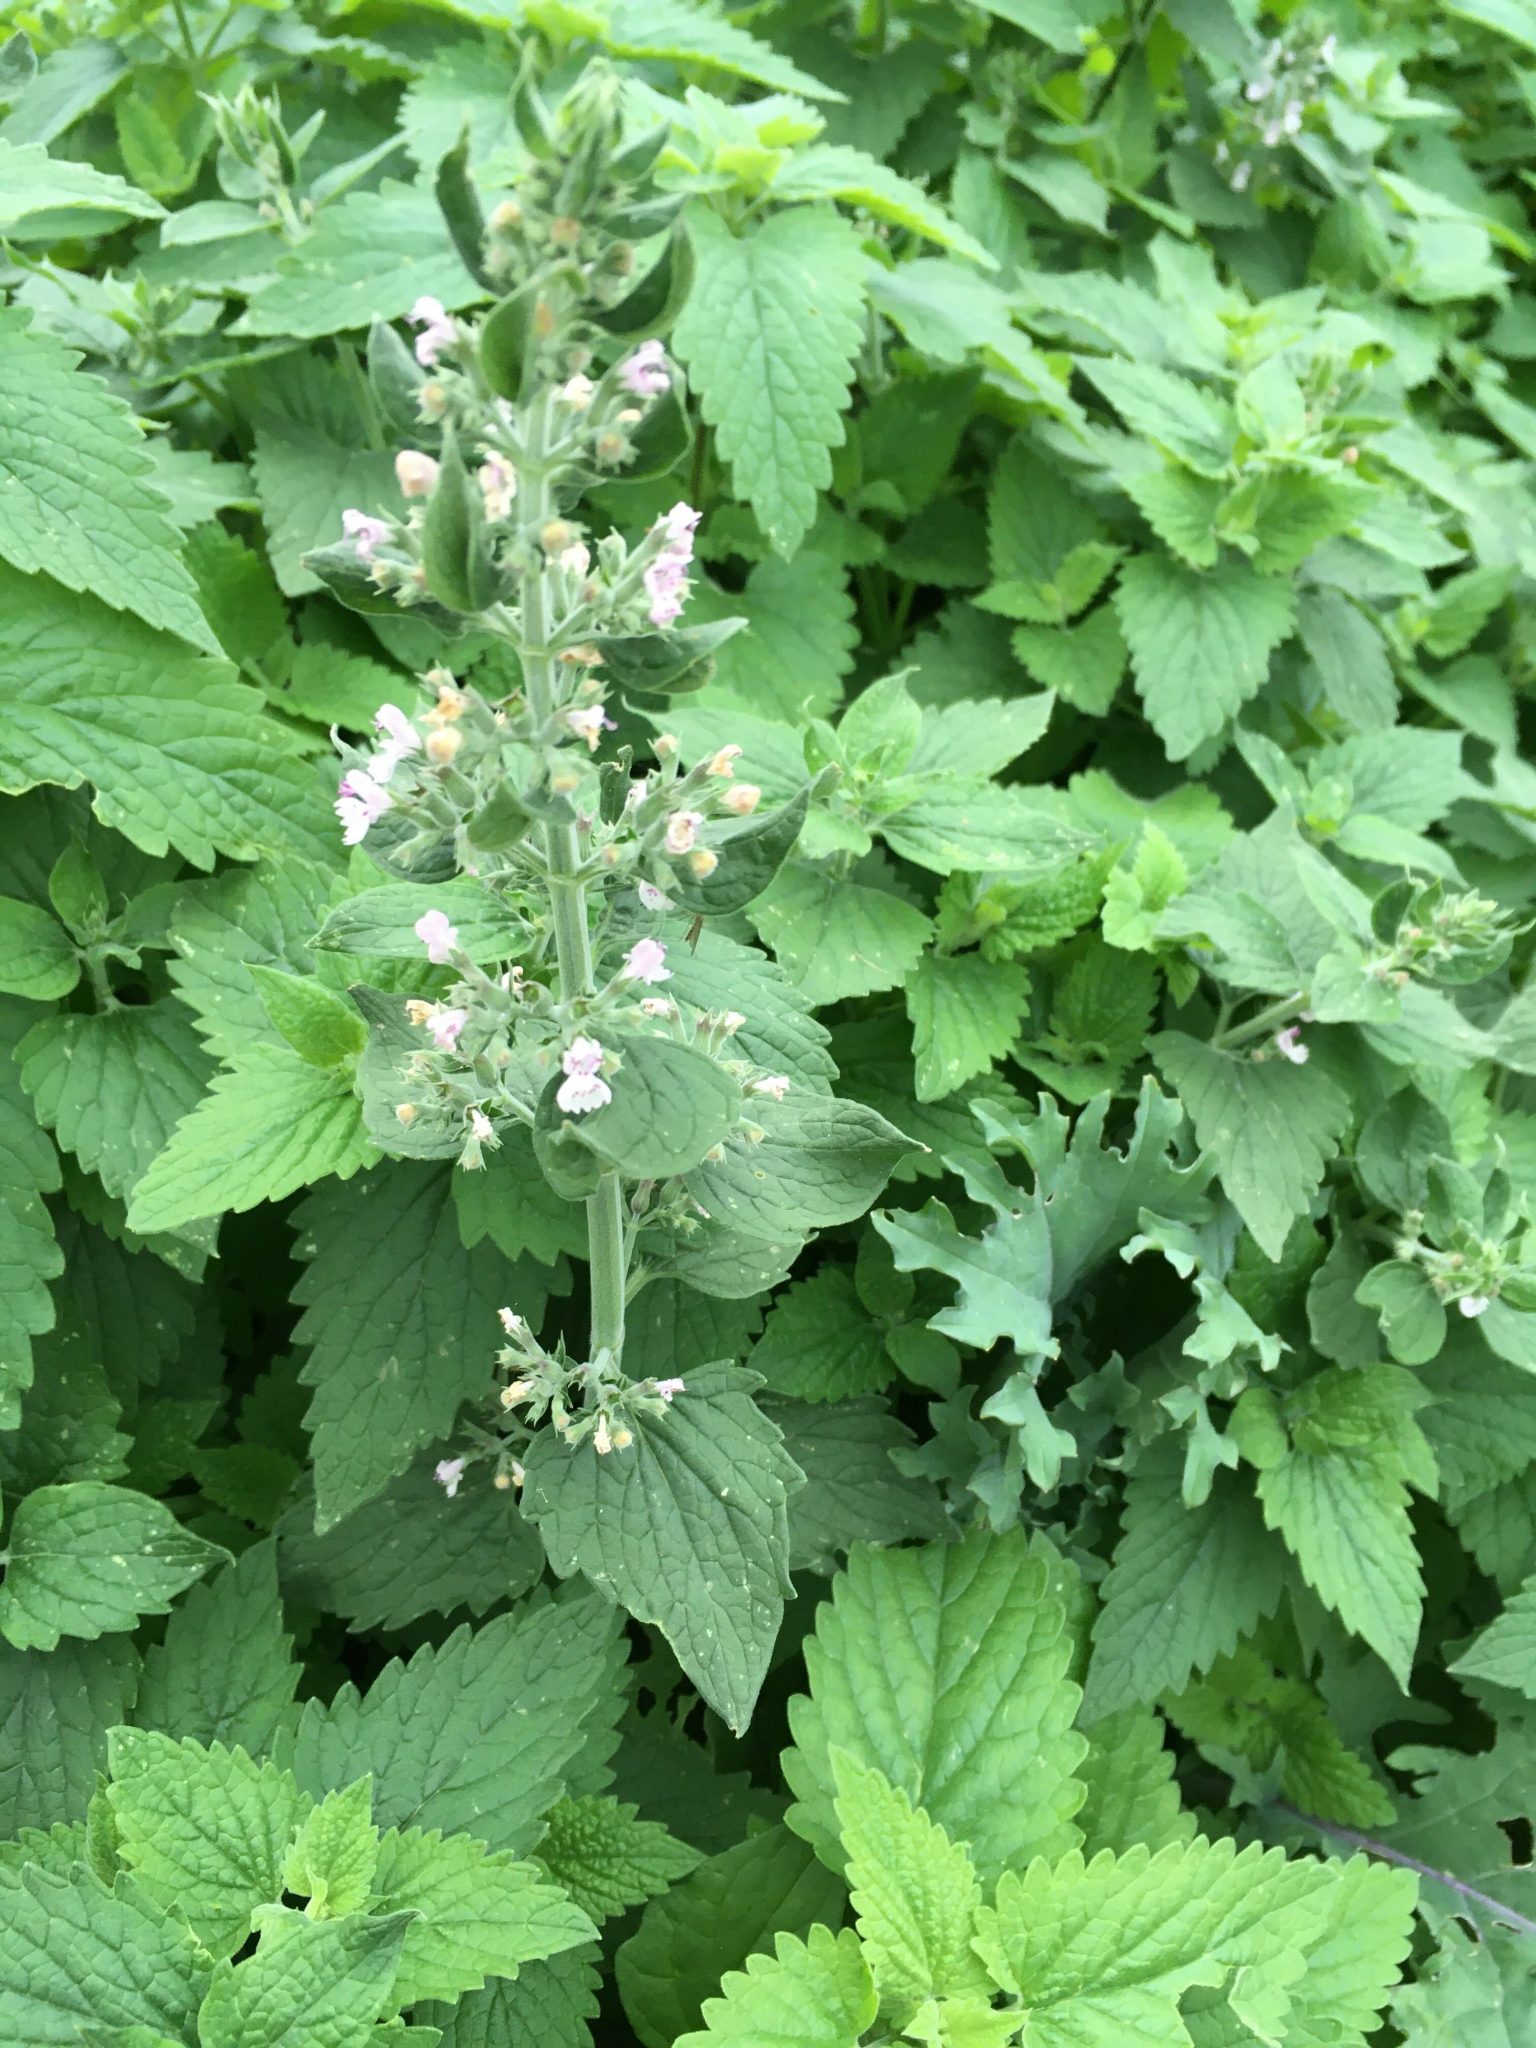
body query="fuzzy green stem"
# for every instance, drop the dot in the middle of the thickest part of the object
(1262, 1024)
(607, 1248)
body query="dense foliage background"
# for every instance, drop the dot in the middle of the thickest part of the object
(1116, 428)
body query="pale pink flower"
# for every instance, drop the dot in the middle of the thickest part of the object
(415, 473)
(398, 737)
(364, 531)
(666, 574)
(437, 330)
(776, 1085)
(646, 961)
(498, 486)
(668, 1388)
(583, 1088)
(589, 722)
(1474, 1305)
(360, 802)
(645, 372)
(444, 1027)
(742, 800)
(448, 1474)
(653, 898)
(682, 830)
(437, 935)
(1289, 1046)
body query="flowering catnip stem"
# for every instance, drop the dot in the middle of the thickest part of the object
(607, 1244)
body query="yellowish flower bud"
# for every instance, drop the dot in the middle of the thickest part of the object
(506, 218)
(406, 1112)
(442, 745)
(703, 862)
(743, 800)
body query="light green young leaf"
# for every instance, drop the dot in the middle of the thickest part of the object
(607, 1858)
(1270, 1126)
(1200, 642)
(769, 334)
(965, 1013)
(815, 1994)
(368, 258)
(267, 1126)
(308, 1981)
(1084, 663)
(686, 1528)
(477, 1915)
(79, 502)
(1505, 1652)
(46, 198)
(916, 1650)
(1133, 1799)
(323, 1029)
(73, 1954)
(88, 1559)
(834, 171)
(179, 754)
(686, 35)
(915, 1892)
(204, 1831)
(1169, 411)
(333, 1854)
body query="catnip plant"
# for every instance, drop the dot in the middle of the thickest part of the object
(654, 1109)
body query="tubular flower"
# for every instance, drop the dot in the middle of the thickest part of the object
(583, 1088)
(437, 935)
(437, 330)
(646, 961)
(360, 802)
(645, 372)
(364, 531)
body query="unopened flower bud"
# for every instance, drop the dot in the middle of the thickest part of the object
(610, 447)
(1351, 455)
(417, 1013)
(732, 1022)
(506, 218)
(576, 392)
(743, 800)
(502, 1482)
(623, 1438)
(415, 473)
(720, 763)
(432, 401)
(629, 415)
(511, 1322)
(665, 746)
(564, 781)
(443, 744)
(515, 1391)
(405, 1112)
(556, 536)
(564, 231)
(575, 559)
(703, 862)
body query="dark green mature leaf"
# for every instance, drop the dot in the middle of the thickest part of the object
(55, 1709)
(225, 1670)
(401, 1323)
(73, 1953)
(1200, 642)
(88, 1559)
(686, 1528)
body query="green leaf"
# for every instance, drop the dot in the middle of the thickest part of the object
(665, 28)
(729, 1909)
(1168, 411)
(965, 1013)
(334, 1853)
(799, 642)
(204, 1831)
(270, 1125)
(1505, 1652)
(1200, 642)
(78, 500)
(73, 1953)
(837, 938)
(820, 1343)
(853, 1491)
(819, 1161)
(37, 959)
(685, 1528)
(480, 1733)
(44, 198)
(814, 1994)
(369, 258)
(476, 1915)
(1270, 1126)
(550, 2005)
(308, 1981)
(915, 1893)
(608, 1859)
(112, 1086)
(323, 1030)
(950, 822)
(769, 335)
(918, 1649)
(55, 1709)
(834, 171)
(178, 753)
(400, 1321)
(1186, 1583)
(87, 1560)
(671, 1104)
(1133, 1797)
(410, 1550)
(29, 1255)
(225, 1670)
(314, 458)
(1105, 1952)
(1083, 663)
